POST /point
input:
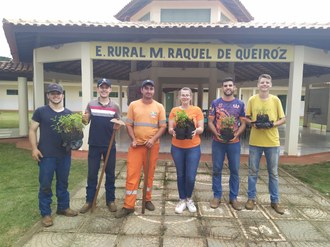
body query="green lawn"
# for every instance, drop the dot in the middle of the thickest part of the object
(19, 191)
(9, 119)
(317, 176)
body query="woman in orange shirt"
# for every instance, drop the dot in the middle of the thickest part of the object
(186, 153)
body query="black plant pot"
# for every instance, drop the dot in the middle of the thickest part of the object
(180, 133)
(72, 140)
(227, 134)
(189, 129)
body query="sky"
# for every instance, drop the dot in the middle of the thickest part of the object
(271, 11)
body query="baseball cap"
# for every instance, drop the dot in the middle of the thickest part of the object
(54, 87)
(148, 82)
(103, 81)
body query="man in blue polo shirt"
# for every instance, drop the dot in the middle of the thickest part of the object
(99, 112)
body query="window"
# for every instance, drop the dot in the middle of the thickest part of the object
(12, 92)
(185, 15)
(114, 95)
(94, 94)
(146, 17)
(224, 19)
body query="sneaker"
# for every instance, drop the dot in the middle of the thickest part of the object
(47, 221)
(124, 212)
(68, 212)
(180, 206)
(215, 202)
(249, 205)
(191, 206)
(87, 206)
(235, 204)
(278, 209)
(150, 206)
(112, 206)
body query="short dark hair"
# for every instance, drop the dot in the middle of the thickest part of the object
(228, 79)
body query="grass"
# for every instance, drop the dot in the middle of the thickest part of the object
(19, 191)
(317, 176)
(10, 119)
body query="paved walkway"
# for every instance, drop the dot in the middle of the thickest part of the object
(305, 223)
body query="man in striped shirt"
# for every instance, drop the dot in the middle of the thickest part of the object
(99, 113)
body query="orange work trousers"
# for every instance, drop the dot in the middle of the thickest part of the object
(136, 158)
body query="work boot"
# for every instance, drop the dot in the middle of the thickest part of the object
(235, 204)
(215, 202)
(249, 205)
(112, 206)
(68, 212)
(150, 206)
(87, 206)
(124, 212)
(47, 221)
(278, 209)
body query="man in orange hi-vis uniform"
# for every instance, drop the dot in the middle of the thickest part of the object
(146, 123)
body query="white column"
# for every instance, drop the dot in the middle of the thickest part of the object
(38, 82)
(213, 78)
(306, 122)
(23, 106)
(328, 115)
(120, 99)
(294, 96)
(87, 85)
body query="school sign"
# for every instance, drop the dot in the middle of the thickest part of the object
(191, 52)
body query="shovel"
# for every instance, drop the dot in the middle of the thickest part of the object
(145, 181)
(117, 124)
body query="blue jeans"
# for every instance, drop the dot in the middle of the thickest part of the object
(186, 161)
(47, 168)
(233, 151)
(94, 160)
(272, 155)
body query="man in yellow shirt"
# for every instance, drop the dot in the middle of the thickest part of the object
(265, 113)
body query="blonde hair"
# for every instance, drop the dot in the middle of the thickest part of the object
(264, 76)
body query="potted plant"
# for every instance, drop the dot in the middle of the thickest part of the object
(263, 121)
(71, 129)
(227, 128)
(184, 126)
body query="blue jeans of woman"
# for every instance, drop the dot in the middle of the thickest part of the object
(186, 162)
(94, 159)
(272, 156)
(47, 168)
(233, 152)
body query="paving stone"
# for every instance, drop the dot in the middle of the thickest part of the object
(203, 196)
(311, 244)
(94, 240)
(226, 230)
(141, 225)
(183, 242)
(204, 178)
(222, 211)
(299, 231)
(256, 213)
(50, 239)
(66, 224)
(299, 200)
(212, 242)
(171, 176)
(290, 213)
(135, 241)
(102, 224)
(261, 230)
(315, 213)
(181, 226)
